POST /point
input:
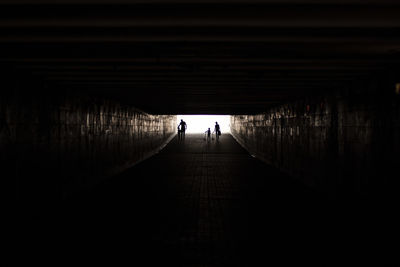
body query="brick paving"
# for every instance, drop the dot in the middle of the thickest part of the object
(200, 203)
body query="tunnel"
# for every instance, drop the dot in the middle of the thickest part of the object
(306, 170)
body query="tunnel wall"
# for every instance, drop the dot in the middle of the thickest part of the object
(343, 143)
(53, 144)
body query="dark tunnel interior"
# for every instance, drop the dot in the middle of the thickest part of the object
(90, 157)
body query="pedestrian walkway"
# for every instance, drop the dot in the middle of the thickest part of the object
(199, 203)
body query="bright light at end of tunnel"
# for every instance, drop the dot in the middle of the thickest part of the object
(200, 123)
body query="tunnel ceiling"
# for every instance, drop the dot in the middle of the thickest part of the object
(199, 57)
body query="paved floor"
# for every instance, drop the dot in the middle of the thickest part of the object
(200, 203)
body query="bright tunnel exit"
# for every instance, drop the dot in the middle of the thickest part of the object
(200, 123)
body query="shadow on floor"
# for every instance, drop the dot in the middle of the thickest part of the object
(199, 203)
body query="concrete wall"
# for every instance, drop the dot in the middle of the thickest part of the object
(345, 143)
(52, 144)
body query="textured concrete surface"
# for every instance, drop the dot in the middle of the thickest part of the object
(55, 144)
(207, 204)
(345, 143)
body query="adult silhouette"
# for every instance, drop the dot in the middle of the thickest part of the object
(217, 130)
(181, 130)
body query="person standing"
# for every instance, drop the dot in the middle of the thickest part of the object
(179, 131)
(208, 134)
(183, 127)
(217, 131)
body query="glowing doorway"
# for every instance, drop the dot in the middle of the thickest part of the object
(200, 123)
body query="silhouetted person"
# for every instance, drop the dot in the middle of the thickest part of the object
(183, 127)
(179, 131)
(208, 134)
(217, 130)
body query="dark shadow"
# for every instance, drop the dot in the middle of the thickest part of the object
(217, 131)
(207, 135)
(212, 204)
(181, 130)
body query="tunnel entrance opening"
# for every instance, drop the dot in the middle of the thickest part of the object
(200, 123)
